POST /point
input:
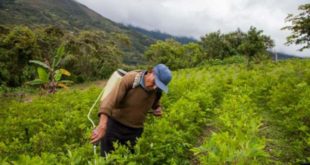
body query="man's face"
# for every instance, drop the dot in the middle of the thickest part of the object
(149, 81)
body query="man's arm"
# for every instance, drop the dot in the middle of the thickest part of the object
(100, 130)
(157, 111)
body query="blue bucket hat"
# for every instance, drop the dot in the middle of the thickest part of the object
(162, 76)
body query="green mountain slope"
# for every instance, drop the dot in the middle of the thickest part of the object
(73, 16)
(64, 13)
(162, 36)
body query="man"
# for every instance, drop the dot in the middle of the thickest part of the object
(123, 111)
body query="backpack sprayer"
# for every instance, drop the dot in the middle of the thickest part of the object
(112, 82)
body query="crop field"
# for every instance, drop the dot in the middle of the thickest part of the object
(220, 114)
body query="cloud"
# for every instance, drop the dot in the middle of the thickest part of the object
(195, 18)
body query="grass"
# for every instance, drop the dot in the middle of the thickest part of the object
(27, 93)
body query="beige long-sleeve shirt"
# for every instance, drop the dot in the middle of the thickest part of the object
(129, 105)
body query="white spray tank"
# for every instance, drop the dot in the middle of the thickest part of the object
(114, 80)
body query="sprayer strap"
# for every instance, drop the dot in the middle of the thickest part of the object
(137, 80)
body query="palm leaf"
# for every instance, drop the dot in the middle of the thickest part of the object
(59, 53)
(40, 63)
(36, 82)
(42, 74)
(62, 85)
(65, 72)
(57, 75)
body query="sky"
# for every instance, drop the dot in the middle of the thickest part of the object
(195, 18)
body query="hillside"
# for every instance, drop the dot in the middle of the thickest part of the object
(67, 14)
(162, 36)
(283, 56)
(70, 15)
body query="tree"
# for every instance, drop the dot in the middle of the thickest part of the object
(233, 40)
(167, 52)
(193, 54)
(300, 27)
(174, 54)
(255, 44)
(214, 45)
(94, 54)
(17, 47)
(49, 38)
(50, 75)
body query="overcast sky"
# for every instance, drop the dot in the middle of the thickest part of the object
(195, 18)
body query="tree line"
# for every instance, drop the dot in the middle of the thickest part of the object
(89, 55)
(254, 45)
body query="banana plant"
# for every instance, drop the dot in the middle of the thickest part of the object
(50, 75)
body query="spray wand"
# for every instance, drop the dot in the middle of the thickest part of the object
(92, 122)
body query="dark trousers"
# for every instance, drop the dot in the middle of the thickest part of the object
(120, 133)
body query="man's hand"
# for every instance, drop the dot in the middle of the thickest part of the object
(157, 111)
(99, 132)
